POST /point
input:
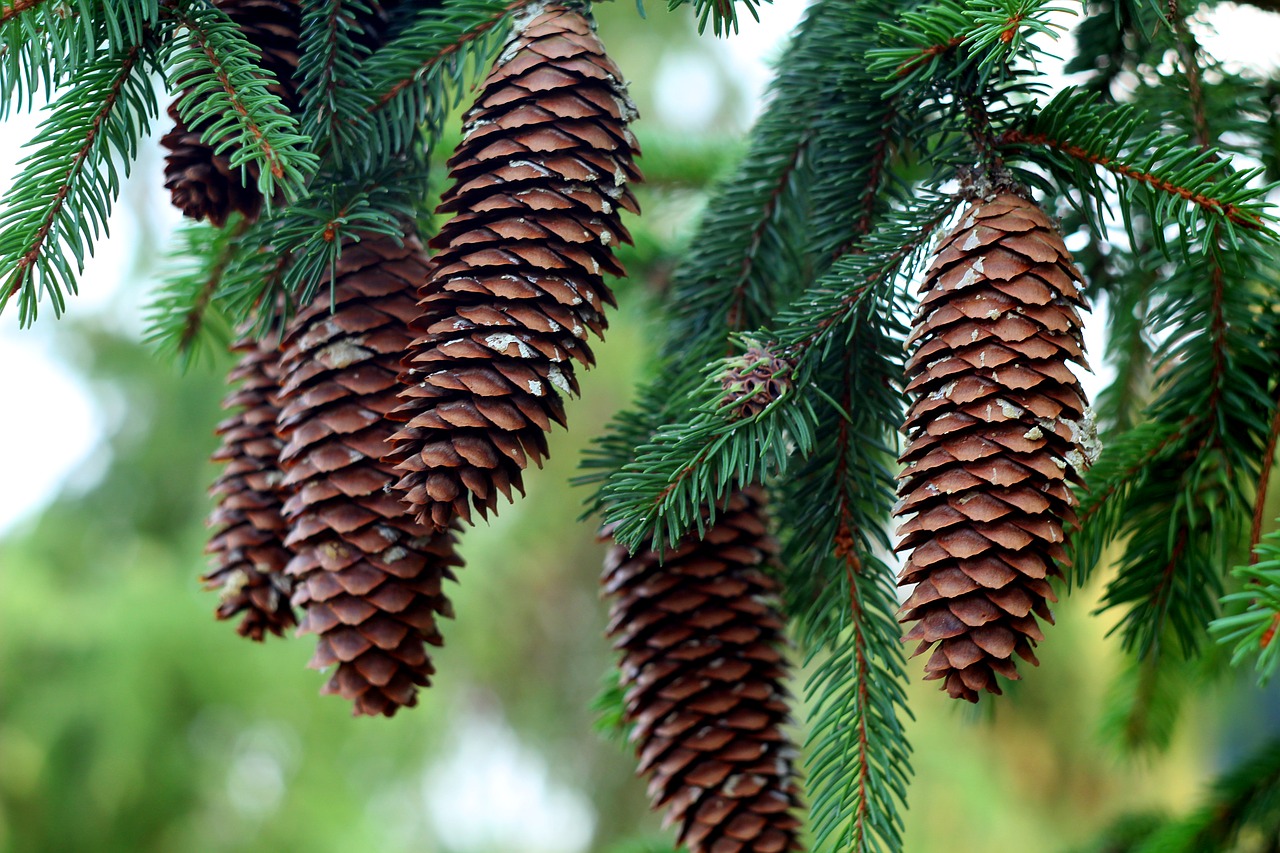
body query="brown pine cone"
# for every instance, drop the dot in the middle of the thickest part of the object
(703, 666)
(370, 578)
(249, 555)
(997, 425)
(518, 283)
(202, 184)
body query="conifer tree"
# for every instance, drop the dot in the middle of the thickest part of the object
(877, 317)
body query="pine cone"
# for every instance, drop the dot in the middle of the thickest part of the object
(368, 576)
(753, 381)
(517, 284)
(703, 667)
(202, 184)
(997, 425)
(248, 547)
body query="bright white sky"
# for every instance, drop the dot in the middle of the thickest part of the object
(48, 425)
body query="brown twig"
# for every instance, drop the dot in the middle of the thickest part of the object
(1230, 211)
(13, 10)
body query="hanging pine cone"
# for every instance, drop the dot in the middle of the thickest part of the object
(703, 667)
(370, 578)
(997, 425)
(202, 184)
(517, 284)
(248, 549)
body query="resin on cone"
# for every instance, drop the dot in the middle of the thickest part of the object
(517, 287)
(248, 550)
(368, 576)
(997, 425)
(703, 667)
(201, 183)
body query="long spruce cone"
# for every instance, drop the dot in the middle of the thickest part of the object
(703, 666)
(249, 555)
(369, 578)
(997, 425)
(518, 282)
(204, 184)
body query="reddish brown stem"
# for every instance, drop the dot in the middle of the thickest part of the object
(16, 8)
(1230, 211)
(1264, 482)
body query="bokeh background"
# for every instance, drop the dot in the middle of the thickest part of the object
(131, 721)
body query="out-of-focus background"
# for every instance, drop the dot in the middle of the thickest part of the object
(131, 721)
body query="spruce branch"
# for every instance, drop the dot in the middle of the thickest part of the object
(1193, 466)
(1253, 612)
(1171, 177)
(183, 320)
(227, 96)
(42, 43)
(722, 14)
(417, 78)
(842, 596)
(332, 76)
(339, 213)
(685, 469)
(947, 40)
(61, 199)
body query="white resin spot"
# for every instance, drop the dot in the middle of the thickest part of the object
(499, 341)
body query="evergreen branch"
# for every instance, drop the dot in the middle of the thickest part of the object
(1264, 484)
(947, 39)
(1076, 134)
(332, 76)
(253, 293)
(696, 462)
(314, 231)
(60, 201)
(808, 325)
(1230, 210)
(42, 43)
(723, 14)
(226, 96)
(835, 511)
(1180, 516)
(184, 321)
(417, 78)
(747, 253)
(1253, 612)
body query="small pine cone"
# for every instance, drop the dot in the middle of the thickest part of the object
(249, 555)
(202, 184)
(517, 284)
(370, 578)
(753, 381)
(703, 667)
(997, 425)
